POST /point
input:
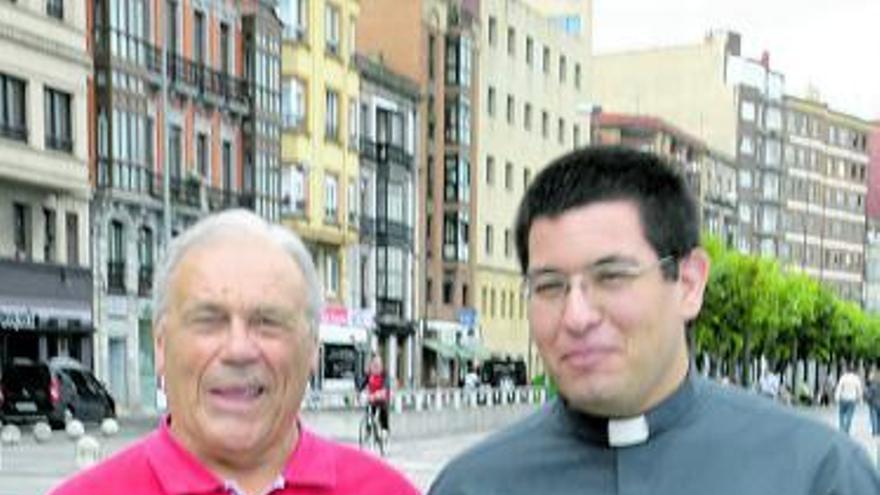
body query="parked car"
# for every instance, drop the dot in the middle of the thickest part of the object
(57, 390)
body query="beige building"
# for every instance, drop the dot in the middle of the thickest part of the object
(826, 159)
(534, 105)
(44, 182)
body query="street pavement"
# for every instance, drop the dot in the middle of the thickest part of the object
(31, 468)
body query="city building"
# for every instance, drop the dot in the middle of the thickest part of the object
(433, 42)
(46, 282)
(826, 163)
(183, 118)
(533, 106)
(730, 102)
(320, 174)
(711, 176)
(388, 195)
(872, 235)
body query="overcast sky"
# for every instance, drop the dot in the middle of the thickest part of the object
(833, 45)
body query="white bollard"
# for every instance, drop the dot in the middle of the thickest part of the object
(88, 451)
(456, 399)
(10, 435)
(109, 427)
(74, 429)
(438, 400)
(418, 400)
(42, 432)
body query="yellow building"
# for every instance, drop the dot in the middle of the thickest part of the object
(319, 179)
(533, 105)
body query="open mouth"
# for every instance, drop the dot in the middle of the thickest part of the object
(235, 396)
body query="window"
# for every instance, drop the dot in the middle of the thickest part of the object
(493, 30)
(72, 229)
(562, 68)
(352, 202)
(12, 108)
(527, 177)
(530, 51)
(490, 170)
(577, 76)
(576, 135)
(508, 176)
(331, 29)
(560, 131)
(295, 15)
(49, 235)
(331, 115)
(145, 260)
(199, 37)
(432, 56)
(511, 41)
(228, 167)
(21, 223)
(331, 273)
(55, 8)
(116, 258)
(448, 290)
(175, 154)
(508, 245)
(173, 31)
(511, 109)
(545, 124)
(57, 111)
(488, 241)
(545, 60)
(747, 146)
(293, 189)
(353, 123)
(202, 155)
(225, 63)
(527, 117)
(293, 104)
(490, 101)
(747, 111)
(331, 199)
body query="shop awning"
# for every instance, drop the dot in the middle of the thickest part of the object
(448, 351)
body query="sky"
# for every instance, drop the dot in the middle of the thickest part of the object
(831, 45)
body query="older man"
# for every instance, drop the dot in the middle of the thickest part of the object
(608, 244)
(237, 307)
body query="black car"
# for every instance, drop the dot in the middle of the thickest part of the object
(57, 390)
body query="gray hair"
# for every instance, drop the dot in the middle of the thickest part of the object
(236, 221)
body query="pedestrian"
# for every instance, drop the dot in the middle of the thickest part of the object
(848, 393)
(607, 240)
(237, 302)
(378, 389)
(872, 398)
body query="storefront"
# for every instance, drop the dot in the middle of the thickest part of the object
(344, 348)
(45, 311)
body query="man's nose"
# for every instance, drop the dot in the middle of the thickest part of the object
(240, 345)
(579, 309)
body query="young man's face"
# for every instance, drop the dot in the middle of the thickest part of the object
(615, 340)
(235, 348)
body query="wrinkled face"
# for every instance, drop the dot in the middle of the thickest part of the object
(234, 348)
(610, 327)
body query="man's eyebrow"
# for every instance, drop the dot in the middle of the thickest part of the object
(203, 306)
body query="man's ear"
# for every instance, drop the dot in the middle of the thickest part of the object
(693, 276)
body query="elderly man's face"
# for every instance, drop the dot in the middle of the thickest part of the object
(234, 348)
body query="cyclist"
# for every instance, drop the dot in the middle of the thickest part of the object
(378, 386)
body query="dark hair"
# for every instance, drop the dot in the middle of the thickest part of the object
(667, 209)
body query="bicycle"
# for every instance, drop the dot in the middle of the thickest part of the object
(370, 432)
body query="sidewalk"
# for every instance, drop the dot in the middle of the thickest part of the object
(861, 427)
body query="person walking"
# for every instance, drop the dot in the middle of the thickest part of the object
(872, 398)
(847, 394)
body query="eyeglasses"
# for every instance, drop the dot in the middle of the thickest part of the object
(605, 278)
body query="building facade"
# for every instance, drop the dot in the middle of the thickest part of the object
(826, 160)
(320, 173)
(534, 105)
(710, 175)
(387, 195)
(45, 275)
(181, 111)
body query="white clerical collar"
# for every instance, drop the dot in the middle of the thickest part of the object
(626, 432)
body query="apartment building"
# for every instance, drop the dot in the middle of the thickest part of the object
(731, 102)
(826, 160)
(433, 42)
(388, 195)
(45, 276)
(183, 111)
(319, 161)
(710, 175)
(534, 105)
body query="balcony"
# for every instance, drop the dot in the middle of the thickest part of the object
(382, 153)
(116, 277)
(129, 177)
(389, 232)
(59, 143)
(13, 131)
(389, 307)
(186, 192)
(221, 199)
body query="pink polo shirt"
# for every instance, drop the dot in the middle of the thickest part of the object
(158, 464)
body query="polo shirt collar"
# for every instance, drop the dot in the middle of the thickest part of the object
(312, 463)
(624, 432)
